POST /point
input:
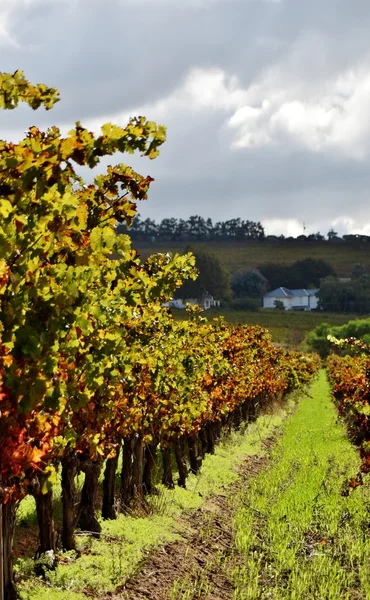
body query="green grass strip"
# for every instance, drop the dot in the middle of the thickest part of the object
(300, 537)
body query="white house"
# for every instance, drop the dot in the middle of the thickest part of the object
(174, 303)
(206, 301)
(292, 299)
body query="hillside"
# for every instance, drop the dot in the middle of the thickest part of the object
(236, 256)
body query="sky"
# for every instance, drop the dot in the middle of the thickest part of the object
(267, 102)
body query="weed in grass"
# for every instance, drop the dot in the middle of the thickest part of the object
(47, 593)
(197, 583)
(193, 587)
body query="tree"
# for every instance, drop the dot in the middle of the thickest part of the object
(332, 235)
(213, 277)
(167, 229)
(310, 271)
(315, 237)
(345, 296)
(358, 270)
(304, 273)
(279, 305)
(198, 228)
(318, 341)
(281, 276)
(195, 228)
(248, 284)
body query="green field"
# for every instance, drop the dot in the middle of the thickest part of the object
(236, 256)
(286, 327)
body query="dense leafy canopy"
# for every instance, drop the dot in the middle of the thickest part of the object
(63, 302)
(351, 296)
(349, 377)
(212, 278)
(319, 338)
(306, 273)
(249, 284)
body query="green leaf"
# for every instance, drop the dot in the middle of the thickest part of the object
(5, 208)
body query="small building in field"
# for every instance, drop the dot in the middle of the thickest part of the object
(206, 301)
(174, 303)
(292, 299)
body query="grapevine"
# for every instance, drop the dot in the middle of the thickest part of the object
(91, 364)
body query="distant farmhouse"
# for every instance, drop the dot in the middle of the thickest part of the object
(206, 301)
(292, 299)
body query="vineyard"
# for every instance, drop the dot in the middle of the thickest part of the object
(91, 364)
(101, 389)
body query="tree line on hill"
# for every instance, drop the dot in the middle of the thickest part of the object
(196, 228)
(244, 289)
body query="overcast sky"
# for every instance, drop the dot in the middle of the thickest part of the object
(267, 102)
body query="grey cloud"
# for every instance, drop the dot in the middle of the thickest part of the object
(118, 55)
(108, 55)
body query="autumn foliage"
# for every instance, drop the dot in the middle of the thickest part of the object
(90, 361)
(349, 377)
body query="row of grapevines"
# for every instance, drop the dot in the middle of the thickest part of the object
(90, 362)
(183, 382)
(188, 382)
(67, 309)
(349, 377)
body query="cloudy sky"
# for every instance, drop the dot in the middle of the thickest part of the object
(267, 102)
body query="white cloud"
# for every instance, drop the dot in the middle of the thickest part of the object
(211, 88)
(349, 225)
(332, 117)
(266, 103)
(294, 228)
(287, 227)
(202, 90)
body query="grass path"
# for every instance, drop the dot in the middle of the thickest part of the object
(300, 538)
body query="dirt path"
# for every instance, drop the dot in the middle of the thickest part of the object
(201, 563)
